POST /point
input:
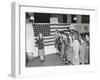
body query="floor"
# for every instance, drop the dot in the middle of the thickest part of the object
(50, 60)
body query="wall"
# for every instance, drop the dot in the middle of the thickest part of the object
(30, 42)
(80, 27)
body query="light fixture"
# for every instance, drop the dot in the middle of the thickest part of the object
(32, 18)
(75, 18)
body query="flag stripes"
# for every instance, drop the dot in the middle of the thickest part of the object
(49, 35)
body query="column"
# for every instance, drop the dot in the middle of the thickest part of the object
(68, 18)
(79, 19)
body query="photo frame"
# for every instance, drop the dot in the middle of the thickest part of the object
(18, 39)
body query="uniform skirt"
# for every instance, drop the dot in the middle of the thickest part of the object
(87, 56)
(69, 54)
(41, 52)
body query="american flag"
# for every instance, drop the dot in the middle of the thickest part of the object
(48, 31)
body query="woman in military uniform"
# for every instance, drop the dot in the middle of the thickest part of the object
(41, 51)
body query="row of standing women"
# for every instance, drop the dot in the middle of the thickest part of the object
(73, 47)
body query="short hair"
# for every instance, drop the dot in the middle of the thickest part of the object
(40, 33)
(82, 36)
(87, 34)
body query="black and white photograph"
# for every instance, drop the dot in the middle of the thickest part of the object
(55, 39)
